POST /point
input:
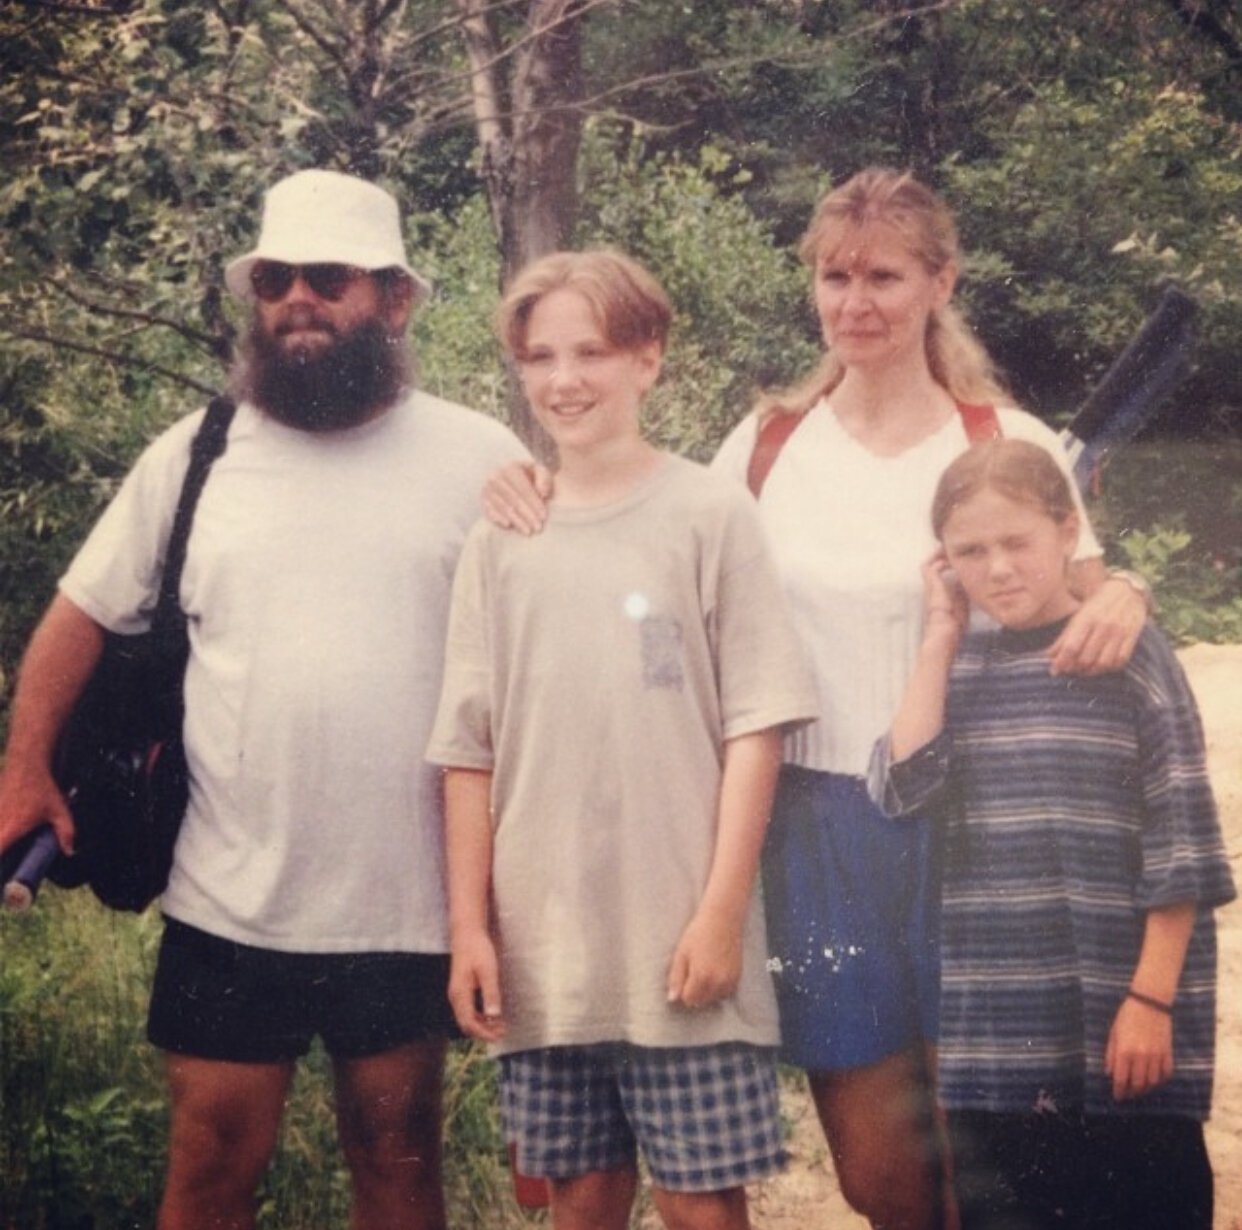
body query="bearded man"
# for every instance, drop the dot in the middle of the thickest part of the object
(306, 896)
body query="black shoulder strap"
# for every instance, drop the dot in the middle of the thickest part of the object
(209, 442)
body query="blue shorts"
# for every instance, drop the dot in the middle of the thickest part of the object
(706, 1118)
(217, 999)
(853, 908)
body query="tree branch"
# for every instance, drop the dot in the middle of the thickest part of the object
(112, 356)
(809, 58)
(510, 50)
(205, 341)
(119, 8)
(479, 34)
(303, 23)
(387, 9)
(1195, 17)
(486, 8)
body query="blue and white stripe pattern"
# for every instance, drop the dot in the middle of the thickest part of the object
(1073, 806)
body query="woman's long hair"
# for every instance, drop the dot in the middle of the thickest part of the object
(895, 199)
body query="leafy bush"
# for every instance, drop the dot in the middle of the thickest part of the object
(742, 317)
(84, 1124)
(1171, 510)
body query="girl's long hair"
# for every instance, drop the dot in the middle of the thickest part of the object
(895, 199)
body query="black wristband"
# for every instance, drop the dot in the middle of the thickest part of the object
(1148, 1001)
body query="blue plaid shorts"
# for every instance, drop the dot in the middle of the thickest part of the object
(706, 1118)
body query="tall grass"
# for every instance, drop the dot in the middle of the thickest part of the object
(83, 1116)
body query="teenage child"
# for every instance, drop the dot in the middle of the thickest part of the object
(611, 720)
(1083, 859)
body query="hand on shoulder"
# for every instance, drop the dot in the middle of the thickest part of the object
(515, 497)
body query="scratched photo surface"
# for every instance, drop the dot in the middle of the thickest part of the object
(1091, 155)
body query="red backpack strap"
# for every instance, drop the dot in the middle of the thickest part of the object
(770, 439)
(980, 422)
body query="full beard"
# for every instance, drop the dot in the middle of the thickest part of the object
(346, 382)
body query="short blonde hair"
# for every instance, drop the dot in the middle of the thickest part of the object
(629, 305)
(880, 197)
(1017, 469)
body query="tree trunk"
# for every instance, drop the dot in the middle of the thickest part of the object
(547, 133)
(529, 128)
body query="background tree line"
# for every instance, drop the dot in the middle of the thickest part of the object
(1092, 148)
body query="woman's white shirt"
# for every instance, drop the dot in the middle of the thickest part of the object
(849, 532)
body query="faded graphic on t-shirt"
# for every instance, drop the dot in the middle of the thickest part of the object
(662, 659)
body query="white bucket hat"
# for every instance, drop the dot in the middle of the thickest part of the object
(323, 216)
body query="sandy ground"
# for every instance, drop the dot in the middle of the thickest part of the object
(806, 1197)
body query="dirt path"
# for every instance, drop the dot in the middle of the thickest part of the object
(806, 1197)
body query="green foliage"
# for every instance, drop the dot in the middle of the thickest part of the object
(1091, 150)
(1094, 198)
(731, 287)
(1171, 511)
(84, 1113)
(84, 1123)
(1196, 602)
(458, 356)
(67, 437)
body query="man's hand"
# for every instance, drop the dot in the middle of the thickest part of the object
(516, 497)
(1139, 1055)
(1102, 633)
(58, 662)
(474, 987)
(707, 962)
(29, 797)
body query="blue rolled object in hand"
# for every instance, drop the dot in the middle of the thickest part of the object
(25, 865)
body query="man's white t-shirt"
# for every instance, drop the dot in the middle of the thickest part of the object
(316, 589)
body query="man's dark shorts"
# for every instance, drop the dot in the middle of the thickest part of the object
(216, 999)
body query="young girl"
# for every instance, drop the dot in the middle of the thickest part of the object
(614, 698)
(1082, 862)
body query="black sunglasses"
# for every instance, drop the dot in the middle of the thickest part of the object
(271, 281)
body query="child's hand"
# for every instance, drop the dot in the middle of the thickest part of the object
(946, 609)
(474, 988)
(515, 497)
(1139, 1055)
(707, 963)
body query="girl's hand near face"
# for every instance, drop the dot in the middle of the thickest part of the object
(946, 609)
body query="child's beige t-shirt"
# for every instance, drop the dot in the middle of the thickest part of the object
(596, 669)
